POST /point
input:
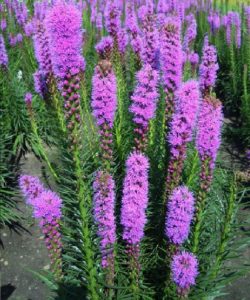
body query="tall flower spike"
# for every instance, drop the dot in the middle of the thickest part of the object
(135, 198)
(65, 38)
(191, 32)
(104, 104)
(247, 14)
(31, 187)
(3, 53)
(208, 137)
(104, 47)
(179, 215)
(181, 129)
(144, 101)
(104, 206)
(208, 68)
(47, 209)
(184, 268)
(150, 40)
(171, 60)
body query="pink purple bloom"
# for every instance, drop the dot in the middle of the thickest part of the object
(214, 21)
(144, 99)
(150, 40)
(208, 137)
(104, 206)
(3, 53)
(104, 104)
(63, 24)
(171, 55)
(104, 99)
(179, 215)
(28, 98)
(208, 67)
(135, 198)
(3, 24)
(181, 129)
(31, 187)
(104, 47)
(184, 268)
(112, 19)
(47, 206)
(191, 32)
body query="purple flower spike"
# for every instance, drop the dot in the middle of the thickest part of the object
(135, 198)
(208, 137)
(47, 206)
(104, 47)
(184, 268)
(63, 23)
(179, 215)
(104, 104)
(112, 19)
(150, 40)
(181, 129)
(31, 187)
(3, 53)
(247, 14)
(171, 55)
(191, 32)
(104, 99)
(28, 99)
(209, 67)
(104, 206)
(144, 101)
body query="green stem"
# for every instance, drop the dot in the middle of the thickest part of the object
(41, 148)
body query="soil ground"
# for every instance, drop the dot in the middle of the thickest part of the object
(23, 251)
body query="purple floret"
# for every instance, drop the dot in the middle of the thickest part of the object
(179, 215)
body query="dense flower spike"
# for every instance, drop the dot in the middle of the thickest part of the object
(65, 40)
(135, 198)
(104, 206)
(171, 60)
(191, 32)
(150, 40)
(47, 209)
(47, 206)
(144, 101)
(184, 269)
(42, 52)
(3, 53)
(112, 19)
(214, 21)
(31, 187)
(208, 68)
(208, 136)
(64, 31)
(104, 103)
(28, 98)
(179, 215)
(104, 47)
(181, 129)
(171, 55)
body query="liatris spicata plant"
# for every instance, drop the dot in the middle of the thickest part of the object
(105, 47)
(31, 187)
(171, 60)
(191, 33)
(63, 24)
(144, 100)
(179, 215)
(214, 21)
(150, 40)
(208, 67)
(208, 137)
(247, 14)
(104, 104)
(3, 53)
(47, 210)
(208, 140)
(181, 129)
(184, 268)
(42, 52)
(113, 20)
(104, 206)
(133, 211)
